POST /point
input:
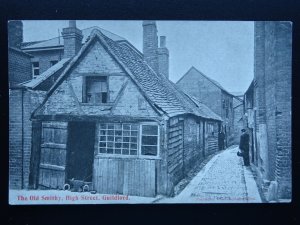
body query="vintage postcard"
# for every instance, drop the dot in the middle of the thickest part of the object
(140, 112)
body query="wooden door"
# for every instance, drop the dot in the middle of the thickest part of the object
(53, 155)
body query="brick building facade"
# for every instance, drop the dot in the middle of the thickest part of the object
(213, 95)
(268, 108)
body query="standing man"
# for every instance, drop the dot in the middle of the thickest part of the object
(244, 146)
(221, 140)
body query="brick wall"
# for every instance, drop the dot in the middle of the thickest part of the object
(19, 67)
(273, 101)
(283, 167)
(15, 139)
(150, 44)
(45, 57)
(21, 104)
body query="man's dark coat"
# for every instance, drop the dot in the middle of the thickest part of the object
(244, 146)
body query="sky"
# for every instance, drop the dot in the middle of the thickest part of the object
(222, 50)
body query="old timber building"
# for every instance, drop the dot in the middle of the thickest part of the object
(110, 117)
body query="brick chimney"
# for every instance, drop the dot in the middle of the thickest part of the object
(72, 39)
(150, 44)
(15, 33)
(163, 57)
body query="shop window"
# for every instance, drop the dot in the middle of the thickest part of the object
(149, 140)
(96, 90)
(117, 138)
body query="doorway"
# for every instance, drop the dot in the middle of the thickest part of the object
(80, 151)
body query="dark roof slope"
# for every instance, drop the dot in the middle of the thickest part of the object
(208, 78)
(158, 90)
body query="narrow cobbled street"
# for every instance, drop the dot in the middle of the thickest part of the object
(223, 179)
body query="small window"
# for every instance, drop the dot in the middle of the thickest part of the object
(53, 62)
(96, 90)
(35, 69)
(149, 140)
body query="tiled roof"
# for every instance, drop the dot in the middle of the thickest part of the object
(44, 76)
(204, 109)
(59, 41)
(162, 94)
(19, 51)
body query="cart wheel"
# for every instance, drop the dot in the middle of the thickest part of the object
(86, 188)
(66, 187)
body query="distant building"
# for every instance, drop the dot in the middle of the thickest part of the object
(212, 94)
(238, 112)
(267, 105)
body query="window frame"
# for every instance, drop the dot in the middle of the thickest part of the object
(139, 142)
(84, 90)
(157, 156)
(35, 68)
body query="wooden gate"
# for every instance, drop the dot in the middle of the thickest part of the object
(53, 155)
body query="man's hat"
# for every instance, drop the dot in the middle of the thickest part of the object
(243, 130)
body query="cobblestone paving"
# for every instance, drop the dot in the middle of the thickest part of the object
(222, 180)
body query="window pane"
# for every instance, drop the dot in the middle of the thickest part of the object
(126, 133)
(133, 146)
(110, 144)
(133, 152)
(149, 150)
(133, 133)
(36, 72)
(125, 151)
(103, 126)
(133, 139)
(150, 129)
(126, 127)
(149, 140)
(118, 126)
(102, 150)
(118, 145)
(110, 151)
(110, 132)
(102, 144)
(117, 151)
(98, 98)
(126, 139)
(118, 133)
(102, 138)
(104, 97)
(110, 138)
(134, 127)
(118, 139)
(125, 145)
